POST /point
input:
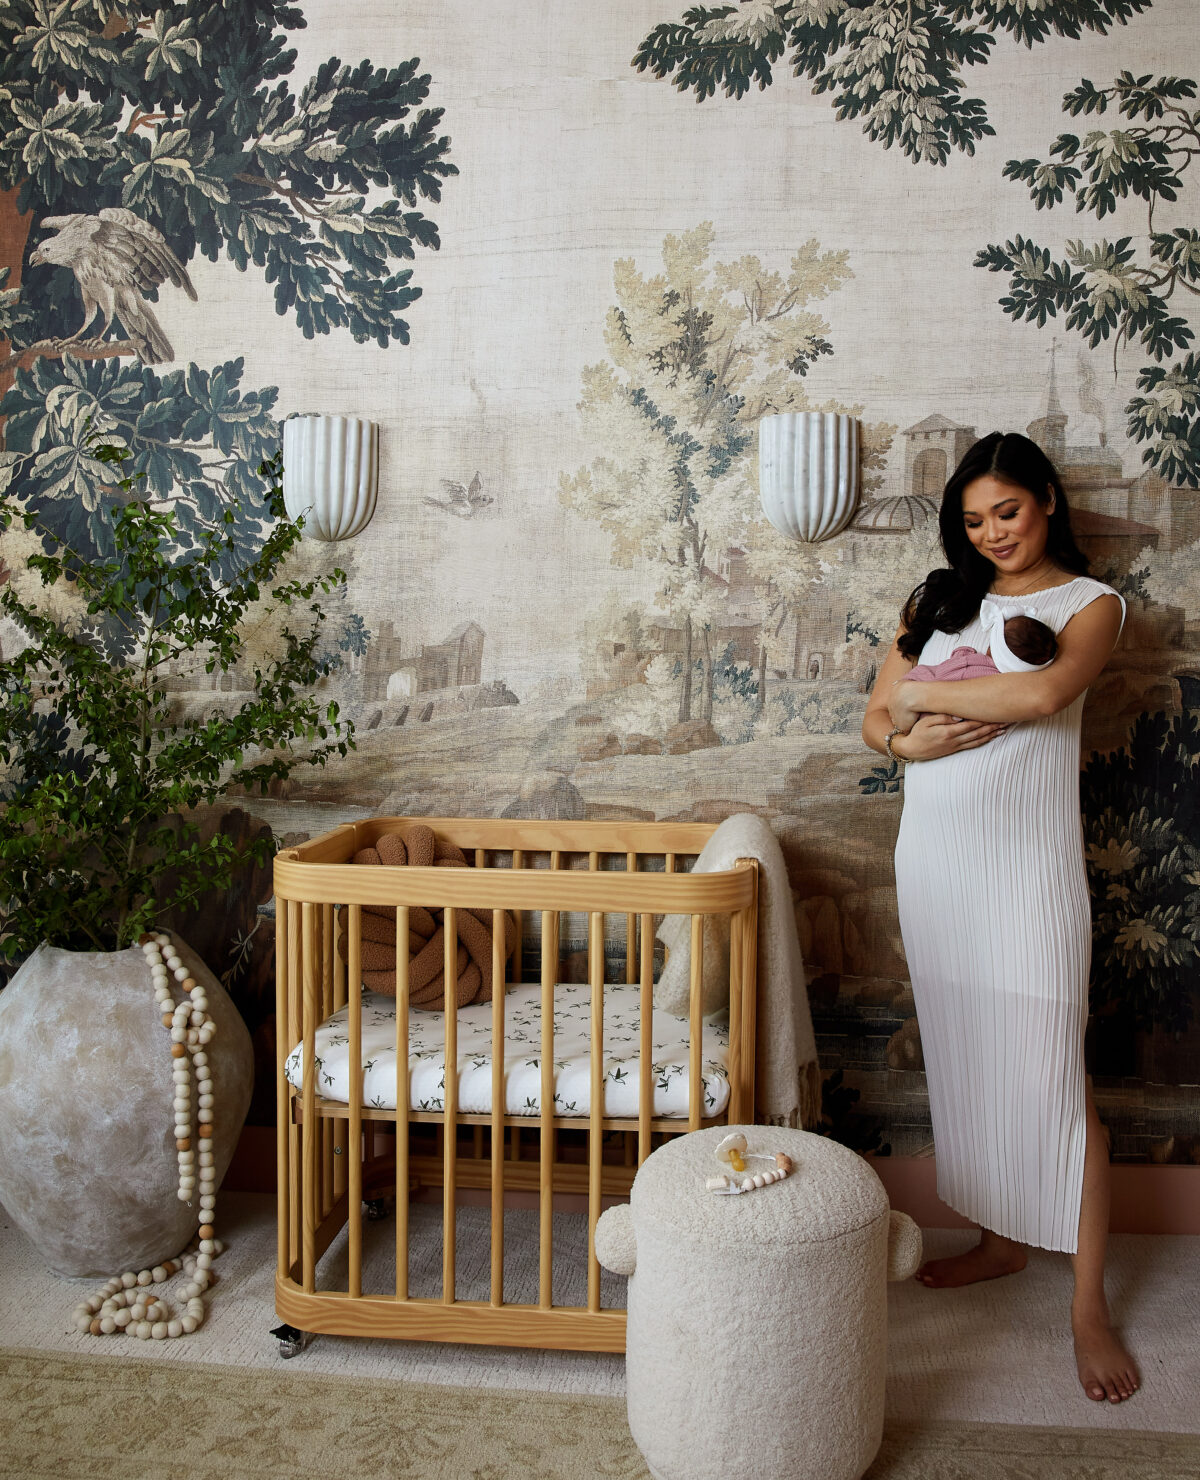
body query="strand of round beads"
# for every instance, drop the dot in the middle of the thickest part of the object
(124, 1304)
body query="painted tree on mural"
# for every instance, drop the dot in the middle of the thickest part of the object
(698, 353)
(1127, 291)
(134, 136)
(1141, 807)
(896, 64)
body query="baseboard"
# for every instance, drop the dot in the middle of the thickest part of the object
(1145, 1199)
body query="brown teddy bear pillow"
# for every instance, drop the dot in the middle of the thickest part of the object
(417, 846)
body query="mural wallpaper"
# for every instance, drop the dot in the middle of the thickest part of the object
(569, 603)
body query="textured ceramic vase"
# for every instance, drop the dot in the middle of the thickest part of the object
(331, 474)
(88, 1167)
(808, 472)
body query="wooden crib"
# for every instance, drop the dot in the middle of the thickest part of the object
(336, 1158)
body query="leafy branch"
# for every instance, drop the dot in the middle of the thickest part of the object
(896, 64)
(1113, 290)
(102, 775)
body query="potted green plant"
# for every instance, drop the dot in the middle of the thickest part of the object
(107, 755)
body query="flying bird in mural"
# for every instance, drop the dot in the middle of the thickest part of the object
(464, 502)
(117, 258)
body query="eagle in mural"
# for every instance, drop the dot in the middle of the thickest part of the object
(117, 258)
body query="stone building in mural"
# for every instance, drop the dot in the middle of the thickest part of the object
(812, 643)
(388, 672)
(932, 450)
(1102, 498)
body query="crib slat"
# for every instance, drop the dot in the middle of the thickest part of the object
(518, 861)
(750, 1014)
(737, 926)
(695, 1100)
(631, 863)
(449, 1101)
(646, 1044)
(295, 1036)
(312, 1129)
(403, 1100)
(327, 1126)
(342, 1125)
(596, 1108)
(498, 1107)
(283, 1124)
(669, 863)
(546, 1137)
(354, 988)
(556, 863)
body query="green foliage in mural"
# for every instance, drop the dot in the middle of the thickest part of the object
(881, 780)
(896, 64)
(1125, 291)
(843, 1122)
(136, 137)
(1141, 808)
(194, 438)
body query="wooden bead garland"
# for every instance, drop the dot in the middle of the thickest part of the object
(124, 1304)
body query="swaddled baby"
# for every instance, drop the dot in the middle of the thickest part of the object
(1017, 643)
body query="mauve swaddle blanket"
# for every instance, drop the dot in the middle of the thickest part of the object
(963, 662)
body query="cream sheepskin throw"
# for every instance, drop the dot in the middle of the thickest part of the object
(787, 1076)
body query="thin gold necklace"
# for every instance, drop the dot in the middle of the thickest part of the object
(1024, 589)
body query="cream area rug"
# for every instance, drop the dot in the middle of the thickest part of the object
(994, 1354)
(88, 1418)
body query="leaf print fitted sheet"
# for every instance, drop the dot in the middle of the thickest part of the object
(522, 1055)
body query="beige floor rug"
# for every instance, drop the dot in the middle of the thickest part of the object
(89, 1418)
(995, 1353)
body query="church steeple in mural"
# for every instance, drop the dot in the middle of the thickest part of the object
(1049, 430)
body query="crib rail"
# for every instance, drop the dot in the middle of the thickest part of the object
(334, 1156)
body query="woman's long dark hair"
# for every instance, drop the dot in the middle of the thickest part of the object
(946, 600)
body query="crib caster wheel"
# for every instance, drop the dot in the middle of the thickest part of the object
(291, 1341)
(376, 1208)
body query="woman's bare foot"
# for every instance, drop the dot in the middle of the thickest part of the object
(1106, 1370)
(991, 1257)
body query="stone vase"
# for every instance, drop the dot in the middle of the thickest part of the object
(88, 1166)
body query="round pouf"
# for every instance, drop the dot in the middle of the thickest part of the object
(757, 1335)
(88, 1164)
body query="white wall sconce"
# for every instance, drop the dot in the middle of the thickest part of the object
(808, 472)
(331, 474)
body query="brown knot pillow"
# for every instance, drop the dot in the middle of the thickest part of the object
(418, 847)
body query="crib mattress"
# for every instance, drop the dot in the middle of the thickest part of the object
(522, 1055)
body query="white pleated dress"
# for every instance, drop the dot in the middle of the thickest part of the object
(997, 929)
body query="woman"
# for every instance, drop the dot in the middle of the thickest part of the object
(992, 891)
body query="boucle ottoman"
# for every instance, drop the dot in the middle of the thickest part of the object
(757, 1337)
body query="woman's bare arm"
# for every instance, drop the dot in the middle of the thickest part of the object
(877, 721)
(1084, 646)
(929, 737)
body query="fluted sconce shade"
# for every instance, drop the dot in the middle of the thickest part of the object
(331, 474)
(808, 472)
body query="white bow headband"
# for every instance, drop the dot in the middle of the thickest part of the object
(992, 618)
